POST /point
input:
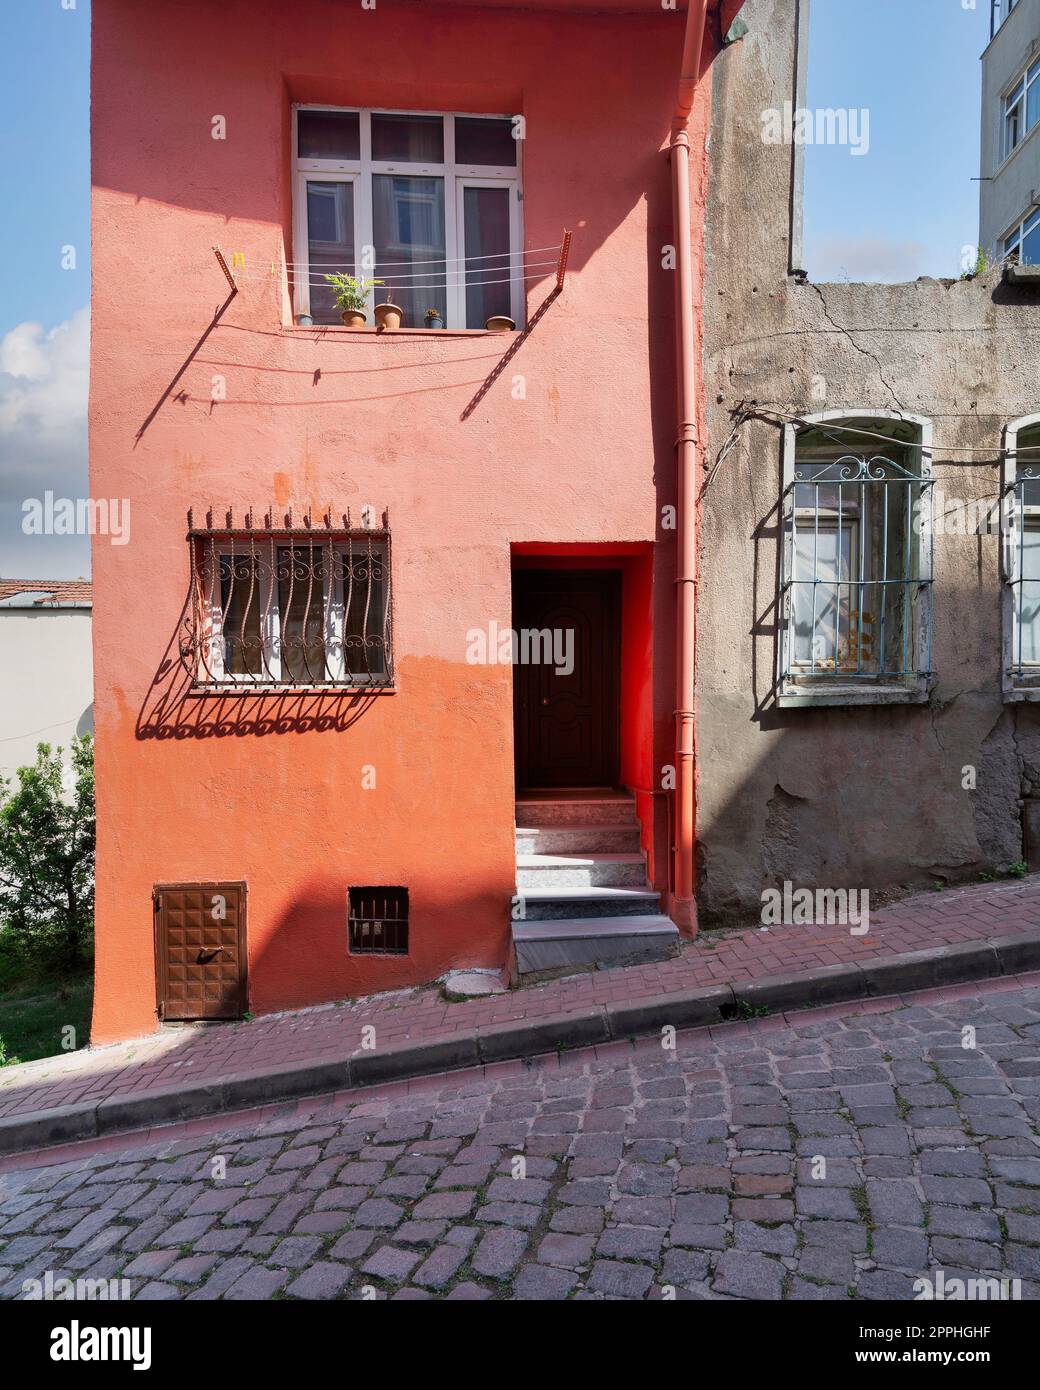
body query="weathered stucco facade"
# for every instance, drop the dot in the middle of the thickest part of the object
(867, 796)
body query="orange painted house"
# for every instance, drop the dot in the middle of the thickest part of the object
(324, 769)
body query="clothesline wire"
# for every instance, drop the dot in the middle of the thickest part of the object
(826, 427)
(320, 272)
(492, 255)
(441, 285)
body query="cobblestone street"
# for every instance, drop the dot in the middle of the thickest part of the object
(820, 1155)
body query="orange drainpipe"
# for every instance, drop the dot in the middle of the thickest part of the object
(684, 907)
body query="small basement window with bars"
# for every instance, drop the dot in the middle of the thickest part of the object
(857, 561)
(1020, 534)
(378, 921)
(285, 605)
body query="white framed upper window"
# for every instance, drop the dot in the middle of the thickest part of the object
(1020, 558)
(1021, 110)
(1023, 240)
(427, 202)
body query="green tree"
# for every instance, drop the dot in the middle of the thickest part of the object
(47, 858)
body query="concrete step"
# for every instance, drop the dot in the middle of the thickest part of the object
(578, 839)
(580, 871)
(556, 946)
(560, 811)
(545, 904)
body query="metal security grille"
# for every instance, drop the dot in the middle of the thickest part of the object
(1020, 518)
(289, 605)
(378, 921)
(857, 558)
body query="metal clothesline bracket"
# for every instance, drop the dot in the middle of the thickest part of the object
(224, 267)
(561, 268)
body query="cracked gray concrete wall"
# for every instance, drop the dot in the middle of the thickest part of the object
(869, 796)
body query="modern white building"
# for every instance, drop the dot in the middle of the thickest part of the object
(1010, 174)
(46, 671)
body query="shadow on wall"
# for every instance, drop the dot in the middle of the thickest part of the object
(317, 375)
(174, 708)
(888, 798)
(304, 957)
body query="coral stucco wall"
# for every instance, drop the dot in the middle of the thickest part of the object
(421, 424)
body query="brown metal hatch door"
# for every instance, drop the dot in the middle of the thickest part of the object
(200, 950)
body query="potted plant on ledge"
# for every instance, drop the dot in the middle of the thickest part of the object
(388, 314)
(351, 295)
(433, 318)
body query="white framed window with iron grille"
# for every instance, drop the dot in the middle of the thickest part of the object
(427, 202)
(1020, 559)
(281, 607)
(856, 559)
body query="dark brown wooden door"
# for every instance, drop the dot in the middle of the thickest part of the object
(200, 950)
(567, 724)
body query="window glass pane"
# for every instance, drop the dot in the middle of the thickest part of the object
(822, 636)
(364, 604)
(328, 134)
(1011, 131)
(413, 139)
(330, 241)
(408, 227)
(480, 141)
(1028, 638)
(240, 604)
(1033, 103)
(301, 614)
(1031, 241)
(486, 215)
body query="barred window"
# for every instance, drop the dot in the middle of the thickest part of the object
(289, 606)
(1020, 528)
(378, 921)
(855, 613)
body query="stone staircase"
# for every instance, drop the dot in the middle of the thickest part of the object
(581, 878)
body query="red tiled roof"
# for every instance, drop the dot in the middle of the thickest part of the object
(57, 590)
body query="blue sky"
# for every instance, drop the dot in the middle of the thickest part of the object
(45, 158)
(45, 172)
(906, 208)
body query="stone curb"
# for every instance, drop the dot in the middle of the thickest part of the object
(616, 1022)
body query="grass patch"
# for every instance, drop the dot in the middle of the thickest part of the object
(34, 1013)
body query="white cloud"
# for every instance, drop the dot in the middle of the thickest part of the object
(43, 440)
(866, 258)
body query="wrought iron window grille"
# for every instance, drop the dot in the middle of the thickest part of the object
(1020, 558)
(378, 921)
(285, 604)
(857, 570)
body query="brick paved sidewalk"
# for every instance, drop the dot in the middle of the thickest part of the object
(181, 1056)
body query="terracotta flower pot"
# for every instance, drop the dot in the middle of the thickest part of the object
(354, 318)
(388, 315)
(499, 323)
